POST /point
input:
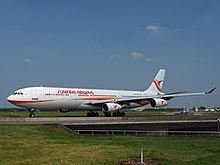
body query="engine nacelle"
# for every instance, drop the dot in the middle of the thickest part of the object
(158, 102)
(109, 107)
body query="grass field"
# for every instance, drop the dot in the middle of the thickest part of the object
(34, 144)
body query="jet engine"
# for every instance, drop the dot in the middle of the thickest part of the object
(109, 107)
(158, 102)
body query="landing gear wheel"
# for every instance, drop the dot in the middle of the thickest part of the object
(115, 114)
(31, 115)
(118, 114)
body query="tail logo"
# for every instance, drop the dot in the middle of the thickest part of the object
(157, 83)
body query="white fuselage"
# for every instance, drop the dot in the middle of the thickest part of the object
(49, 98)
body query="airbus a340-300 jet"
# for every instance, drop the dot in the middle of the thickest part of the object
(94, 100)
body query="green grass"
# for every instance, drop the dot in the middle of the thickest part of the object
(34, 144)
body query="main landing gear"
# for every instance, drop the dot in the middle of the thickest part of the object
(92, 114)
(114, 114)
(106, 114)
(118, 114)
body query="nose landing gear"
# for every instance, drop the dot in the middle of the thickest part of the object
(31, 115)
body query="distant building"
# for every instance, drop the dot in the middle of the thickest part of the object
(204, 109)
(194, 109)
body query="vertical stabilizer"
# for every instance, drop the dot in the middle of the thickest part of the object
(157, 84)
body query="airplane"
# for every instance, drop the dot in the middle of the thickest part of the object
(185, 110)
(94, 100)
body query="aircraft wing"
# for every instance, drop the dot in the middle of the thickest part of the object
(167, 96)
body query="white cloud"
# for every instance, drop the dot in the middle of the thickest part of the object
(138, 56)
(154, 27)
(148, 59)
(29, 61)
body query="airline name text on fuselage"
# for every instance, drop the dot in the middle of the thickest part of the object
(79, 92)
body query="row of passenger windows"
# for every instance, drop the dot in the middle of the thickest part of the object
(18, 93)
(56, 94)
(53, 94)
(105, 95)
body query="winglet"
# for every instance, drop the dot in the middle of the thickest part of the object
(210, 91)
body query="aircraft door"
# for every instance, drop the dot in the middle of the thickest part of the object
(35, 96)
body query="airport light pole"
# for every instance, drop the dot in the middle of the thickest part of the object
(142, 156)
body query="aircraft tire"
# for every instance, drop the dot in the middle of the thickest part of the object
(31, 115)
(118, 114)
(115, 114)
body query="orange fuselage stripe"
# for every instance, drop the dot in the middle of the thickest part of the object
(17, 102)
(98, 98)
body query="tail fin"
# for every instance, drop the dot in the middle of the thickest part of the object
(157, 84)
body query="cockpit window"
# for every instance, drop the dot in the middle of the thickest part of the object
(18, 93)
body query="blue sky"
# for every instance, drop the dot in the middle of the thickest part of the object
(117, 44)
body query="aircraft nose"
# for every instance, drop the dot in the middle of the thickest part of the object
(9, 98)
